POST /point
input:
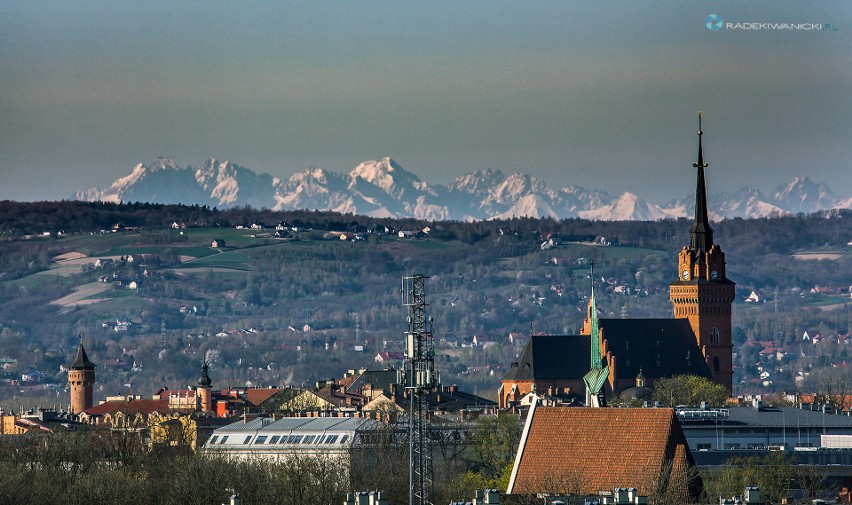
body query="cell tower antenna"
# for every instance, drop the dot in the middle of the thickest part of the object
(420, 379)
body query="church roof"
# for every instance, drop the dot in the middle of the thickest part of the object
(563, 450)
(551, 357)
(657, 347)
(82, 361)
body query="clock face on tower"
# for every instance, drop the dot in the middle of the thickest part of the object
(685, 275)
(714, 275)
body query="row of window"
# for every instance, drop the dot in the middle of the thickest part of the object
(292, 439)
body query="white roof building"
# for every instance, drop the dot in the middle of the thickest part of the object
(265, 438)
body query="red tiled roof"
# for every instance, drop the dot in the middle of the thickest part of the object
(130, 407)
(846, 400)
(258, 396)
(347, 381)
(574, 450)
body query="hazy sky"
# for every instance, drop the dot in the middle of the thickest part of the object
(603, 96)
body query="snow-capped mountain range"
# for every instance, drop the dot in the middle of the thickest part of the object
(384, 189)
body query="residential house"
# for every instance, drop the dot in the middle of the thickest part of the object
(481, 341)
(103, 262)
(33, 376)
(754, 297)
(389, 356)
(517, 338)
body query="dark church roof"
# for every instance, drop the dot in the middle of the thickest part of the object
(657, 347)
(551, 357)
(82, 362)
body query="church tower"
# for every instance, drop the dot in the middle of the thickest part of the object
(81, 379)
(204, 391)
(702, 292)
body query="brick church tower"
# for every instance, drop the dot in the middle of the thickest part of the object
(81, 378)
(702, 292)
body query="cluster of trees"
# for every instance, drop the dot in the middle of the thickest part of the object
(94, 466)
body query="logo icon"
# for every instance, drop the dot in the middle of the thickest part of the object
(713, 22)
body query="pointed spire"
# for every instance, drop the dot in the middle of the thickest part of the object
(593, 320)
(82, 361)
(701, 234)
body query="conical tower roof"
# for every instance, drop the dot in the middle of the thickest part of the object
(701, 234)
(82, 361)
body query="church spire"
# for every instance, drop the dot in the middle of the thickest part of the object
(597, 375)
(593, 320)
(701, 234)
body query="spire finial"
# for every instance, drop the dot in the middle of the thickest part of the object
(701, 164)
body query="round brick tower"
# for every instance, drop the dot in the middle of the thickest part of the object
(81, 379)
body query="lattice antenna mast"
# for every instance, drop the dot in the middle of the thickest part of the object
(420, 379)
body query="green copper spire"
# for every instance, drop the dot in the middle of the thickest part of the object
(593, 318)
(598, 373)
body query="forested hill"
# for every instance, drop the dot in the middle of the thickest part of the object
(153, 295)
(778, 235)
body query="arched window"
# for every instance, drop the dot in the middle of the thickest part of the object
(716, 364)
(714, 335)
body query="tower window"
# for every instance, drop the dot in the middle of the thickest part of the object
(714, 335)
(716, 364)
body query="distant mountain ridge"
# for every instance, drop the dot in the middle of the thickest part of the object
(384, 189)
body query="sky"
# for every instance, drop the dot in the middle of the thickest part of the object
(598, 94)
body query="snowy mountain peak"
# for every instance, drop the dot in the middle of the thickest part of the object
(384, 188)
(478, 181)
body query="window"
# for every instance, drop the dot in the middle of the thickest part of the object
(274, 440)
(213, 439)
(294, 439)
(344, 438)
(716, 363)
(224, 439)
(247, 440)
(309, 439)
(714, 335)
(331, 439)
(260, 440)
